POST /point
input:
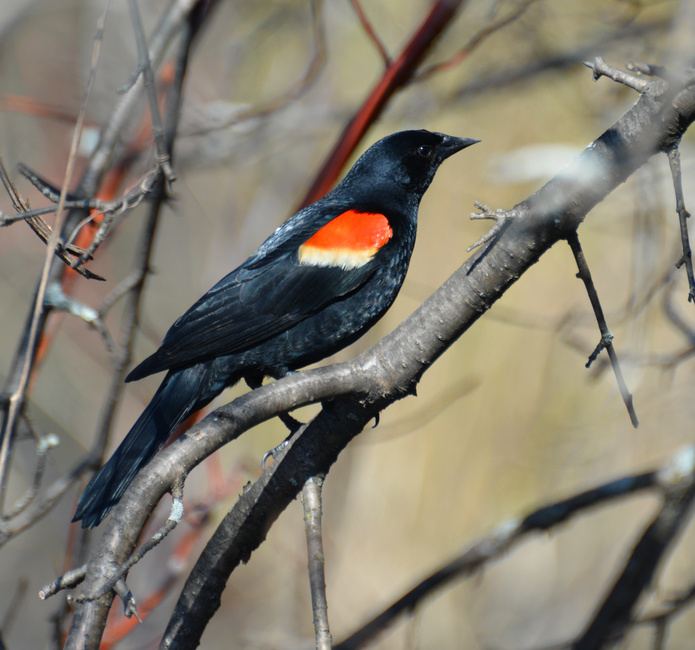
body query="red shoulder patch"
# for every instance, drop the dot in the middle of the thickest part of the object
(349, 241)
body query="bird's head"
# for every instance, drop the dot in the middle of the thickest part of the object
(402, 165)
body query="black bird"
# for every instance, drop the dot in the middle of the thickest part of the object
(317, 284)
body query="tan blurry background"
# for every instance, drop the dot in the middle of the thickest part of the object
(524, 422)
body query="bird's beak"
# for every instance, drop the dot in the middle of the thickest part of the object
(452, 144)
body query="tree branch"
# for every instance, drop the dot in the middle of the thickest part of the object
(361, 388)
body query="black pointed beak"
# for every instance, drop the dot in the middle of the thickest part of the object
(452, 144)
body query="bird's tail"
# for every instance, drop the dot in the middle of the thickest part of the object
(180, 394)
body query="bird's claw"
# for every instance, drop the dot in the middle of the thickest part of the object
(499, 216)
(273, 453)
(130, 608)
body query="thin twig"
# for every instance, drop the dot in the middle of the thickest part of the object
(674, 161)
(602, 69)
(44, 504)
(606, 342)
(371, 32)
(474, 42)
(130, 199)
(44, 445)
(68, 580)
(112, 209)
(40, 227)
(156, 539)
(18, 395)
(499, 216)
(162, 157)
(172, 18)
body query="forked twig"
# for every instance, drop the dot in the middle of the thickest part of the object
(606, 342)
(39, 225)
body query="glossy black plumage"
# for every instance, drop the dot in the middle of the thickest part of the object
(277, 312)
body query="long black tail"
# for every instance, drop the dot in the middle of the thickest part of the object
(180, 394)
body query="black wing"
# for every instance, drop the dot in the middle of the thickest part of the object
(249, 306)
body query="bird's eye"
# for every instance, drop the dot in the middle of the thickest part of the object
(425, 150)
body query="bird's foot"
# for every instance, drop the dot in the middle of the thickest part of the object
(274, 453)
(500, 217)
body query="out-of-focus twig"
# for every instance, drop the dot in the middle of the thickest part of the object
(474, 42)
(611, 621)
(395, 76)
(297, 89)
(370, 31)
(495, 545)
(16, 400)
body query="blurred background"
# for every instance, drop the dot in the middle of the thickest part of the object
(507, 420)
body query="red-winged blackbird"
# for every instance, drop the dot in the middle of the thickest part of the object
(318, 283)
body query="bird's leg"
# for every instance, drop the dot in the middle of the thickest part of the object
(500, 217)
(255, 381)
(292, 424)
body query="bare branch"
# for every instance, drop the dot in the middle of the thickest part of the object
(492, 547)
(35, 325)
(162, 158)
(602, 69)
(606, 337)
(674, 161)
(312, 501)
(68, 580)
(371, 32)
(613, 617)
